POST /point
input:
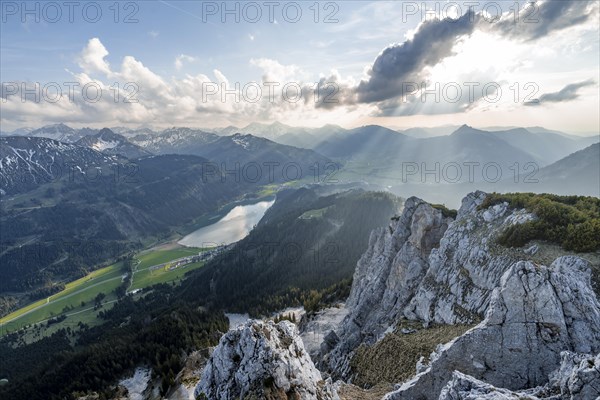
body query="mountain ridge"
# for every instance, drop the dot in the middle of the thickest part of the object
(109, 142)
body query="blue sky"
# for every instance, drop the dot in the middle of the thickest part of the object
(372, 49)
(167, 29)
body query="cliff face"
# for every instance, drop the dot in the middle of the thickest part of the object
(431, 269)
(467, 265)
(262, 360)
(424, 267)
(386, 276)
(534, 329)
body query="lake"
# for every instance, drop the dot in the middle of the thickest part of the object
(234, 226)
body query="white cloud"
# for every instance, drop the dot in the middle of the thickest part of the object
(180, 59)
(273, 71)
(92, 57)
(171, 101)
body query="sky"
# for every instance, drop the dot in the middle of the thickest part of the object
(351, 63)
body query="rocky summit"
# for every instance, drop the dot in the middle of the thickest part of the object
(532, 331)
(262, 360)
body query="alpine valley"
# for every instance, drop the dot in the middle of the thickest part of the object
(320, 200)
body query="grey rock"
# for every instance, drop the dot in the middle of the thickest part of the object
(532, 250)
(578, 377)
(434, 270)
(386, 276)
(465, 387)
(535, 314)
(317, 330)
(331, 339)
(464, 269)
(264, 360)
(428, 268)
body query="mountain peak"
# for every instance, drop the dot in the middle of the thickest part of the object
(105, 131)
(107, 134)
(266, 352)
(465, 129)
(57, 127)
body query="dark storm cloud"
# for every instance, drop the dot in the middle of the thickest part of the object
(329, 93)
(400, 63)
(398, 66)
(567, 93)
(541, 18)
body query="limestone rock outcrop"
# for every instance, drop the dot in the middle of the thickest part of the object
(577, 378)
(262, 360)
(534, 329)
(465, 387)
(385, 278)
(424, 267)
(431, 269)
(535, 314)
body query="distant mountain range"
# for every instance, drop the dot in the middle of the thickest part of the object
(374, 151)
(29, 162)
(253, 154)
(544, 145)
(370, 153)
(285, 134)
(235, 152)
(576, 174)
(60, 132)
(421, 133)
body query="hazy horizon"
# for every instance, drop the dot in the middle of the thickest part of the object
(219, 128)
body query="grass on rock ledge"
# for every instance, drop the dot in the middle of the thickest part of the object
(394, 358)
(573, 222)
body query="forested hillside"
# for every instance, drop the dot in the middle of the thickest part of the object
(153, 331)
(65, 228)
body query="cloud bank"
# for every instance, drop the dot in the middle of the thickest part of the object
(132, 93)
